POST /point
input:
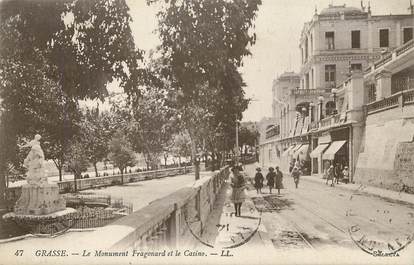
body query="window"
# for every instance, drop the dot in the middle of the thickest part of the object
(356, 67)
(383, 37)
(301, 52)
(311, 44)
(372, 93)
(330, 75)
(356, 39)
(330, 40)
(306, 50)
(408, 34)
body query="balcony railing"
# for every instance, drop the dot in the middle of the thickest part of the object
(390, 56)
(330, 121)
(406, 97)
(318, 91)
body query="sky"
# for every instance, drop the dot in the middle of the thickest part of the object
(278, 27)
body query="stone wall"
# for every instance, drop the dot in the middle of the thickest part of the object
(386, 157)
(175, 220)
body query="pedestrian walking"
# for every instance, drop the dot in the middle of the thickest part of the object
(258, 180)
(296, 176)
(297, 164)
(330, 175)
(291, 165)
(345, 174)
(270, 177)
(238, 184)
(337, 173)
(279, 180)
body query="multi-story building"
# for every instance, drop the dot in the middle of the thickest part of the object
(324, 120)
(342, 38)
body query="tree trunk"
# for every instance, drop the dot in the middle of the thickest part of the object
(122, 175)
(213, 161)
(3, 203)
(59, 166)
(96, 169)
(75, 177)
(194, 158)
(179, 161)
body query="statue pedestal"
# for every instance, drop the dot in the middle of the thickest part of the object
(39, 199)
(51, 224)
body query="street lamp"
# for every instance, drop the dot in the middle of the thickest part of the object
(311, 105)
(236, 161)
(334, 92)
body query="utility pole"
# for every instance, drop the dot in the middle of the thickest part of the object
(236, 161)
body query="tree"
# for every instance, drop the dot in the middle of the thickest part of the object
(71, 47)
(202, 44)
(181, 146)
(121, 153)
(152, 125)
(97, 134)
(76, 160)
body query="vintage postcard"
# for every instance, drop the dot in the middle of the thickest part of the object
(206, 132)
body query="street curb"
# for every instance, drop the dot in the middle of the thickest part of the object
(365, 191)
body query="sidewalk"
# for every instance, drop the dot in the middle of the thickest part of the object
(225, 230)
(388, 194)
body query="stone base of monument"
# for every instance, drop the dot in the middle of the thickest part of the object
(39, 199)
(52, 223)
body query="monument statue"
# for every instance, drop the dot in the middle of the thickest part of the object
(38, 197)
(34, 162)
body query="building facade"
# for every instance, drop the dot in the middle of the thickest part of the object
(323, 121)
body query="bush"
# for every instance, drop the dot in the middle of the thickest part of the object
(116, 182)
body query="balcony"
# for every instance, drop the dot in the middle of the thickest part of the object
(403, 97)
(391, 56)
(316, 92)
(330, 121)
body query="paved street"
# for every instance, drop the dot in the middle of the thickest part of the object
(318, 216)
(143, 192)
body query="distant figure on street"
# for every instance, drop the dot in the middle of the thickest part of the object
(291, 165)
(279, 180)
(297, 164)
(337, 173)
(345, 174)
(238, 185)
(295, 176)
(270, 177)
(330, 175)
(258, 180)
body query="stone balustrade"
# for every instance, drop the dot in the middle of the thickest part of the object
(390, 56)
(329, 121)
(176, 220)
(12, 194)
(398, 99)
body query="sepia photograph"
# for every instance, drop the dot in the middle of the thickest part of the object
(206, 132)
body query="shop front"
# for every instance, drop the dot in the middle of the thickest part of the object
(332, 149)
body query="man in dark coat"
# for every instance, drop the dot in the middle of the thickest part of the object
(279, 180)
(258, 180)
(270, 177)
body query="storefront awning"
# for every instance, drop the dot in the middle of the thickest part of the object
(301, 152)
(333, 148)
(318, 150)
(287, 151)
